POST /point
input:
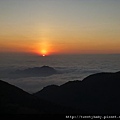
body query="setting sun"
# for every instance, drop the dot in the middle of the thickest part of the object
(43, 52)
(84, 29)
(52, 51)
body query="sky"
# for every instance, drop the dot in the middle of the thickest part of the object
(60, 26)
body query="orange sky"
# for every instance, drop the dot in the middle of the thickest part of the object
(60, 27)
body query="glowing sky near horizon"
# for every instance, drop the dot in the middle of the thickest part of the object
(60, 26)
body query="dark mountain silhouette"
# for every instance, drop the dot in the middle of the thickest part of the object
(14, 100)
(96, 94)
(43, 71)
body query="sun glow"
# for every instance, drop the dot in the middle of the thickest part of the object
(44, 52)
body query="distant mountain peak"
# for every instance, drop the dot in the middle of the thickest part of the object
(43, 71)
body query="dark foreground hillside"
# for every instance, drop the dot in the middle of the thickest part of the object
(96, 94)
(14, 100)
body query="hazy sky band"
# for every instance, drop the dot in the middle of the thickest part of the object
(60, 26)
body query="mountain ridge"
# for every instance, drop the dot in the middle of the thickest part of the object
(42, 71)
(14, 100)
(96, 94)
